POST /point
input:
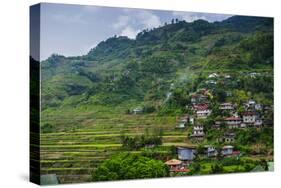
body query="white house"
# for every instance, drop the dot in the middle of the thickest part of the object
(249, 117)
(233, 122)
(227, 150)
(198, 131)
(213, 75)
(226, 106)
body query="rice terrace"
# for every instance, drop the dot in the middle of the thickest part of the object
(182, 98)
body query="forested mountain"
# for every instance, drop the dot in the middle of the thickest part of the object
(158, 62)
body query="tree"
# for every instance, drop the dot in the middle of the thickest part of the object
(130, 166)
(216, 169)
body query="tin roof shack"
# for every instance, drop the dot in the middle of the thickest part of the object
(227, 150)
(233, 122)
(210, 151)
(186, 153)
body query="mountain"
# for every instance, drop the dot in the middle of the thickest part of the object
(145, 69)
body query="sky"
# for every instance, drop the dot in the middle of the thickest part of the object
(72, 30)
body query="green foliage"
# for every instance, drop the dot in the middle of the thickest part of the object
(47, 128)
(130, 166)
(148, 138)
(216, 168)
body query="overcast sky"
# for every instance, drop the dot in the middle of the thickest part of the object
(72, 30)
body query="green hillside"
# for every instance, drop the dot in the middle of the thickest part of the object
(87, 101)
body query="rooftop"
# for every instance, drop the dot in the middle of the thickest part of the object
(173, 162)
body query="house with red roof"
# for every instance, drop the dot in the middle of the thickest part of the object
(202, 110)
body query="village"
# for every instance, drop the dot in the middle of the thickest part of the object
(253, 116)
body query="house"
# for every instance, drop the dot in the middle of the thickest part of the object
(177, 166)
(233, 122)
(226, 106)
(227, 150)
(212, 82)
(138, 110)
(249, 117)
(250, 104)
(229, 137)
(202, 110)
(258, 123)
(227, 76)
(191, 120)
(217, 124)
(186, 153)
(210, 151)
(258, 107)
(213, 75)
(183, 122)
(198, 132)
(198, 98)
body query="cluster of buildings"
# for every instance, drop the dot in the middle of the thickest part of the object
(185, 155)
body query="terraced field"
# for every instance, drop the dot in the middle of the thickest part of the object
(76, 150)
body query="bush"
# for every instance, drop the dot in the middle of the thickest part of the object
(130, 166)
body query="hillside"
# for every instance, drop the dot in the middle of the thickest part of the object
(138, 97)
(120, 68)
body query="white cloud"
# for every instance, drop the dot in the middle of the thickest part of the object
(122, 22)
(192, 16)
(129, 32)
(133, 22)
(148, 19)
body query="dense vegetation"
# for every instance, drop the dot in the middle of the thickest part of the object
(130, 166)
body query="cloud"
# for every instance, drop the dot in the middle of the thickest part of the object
(192, 16)
(132, 22)
(122, 22)
(148, 19)
(129, 32)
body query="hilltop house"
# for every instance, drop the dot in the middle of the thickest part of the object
(202, 110)
(227, 150)
(233, 122)
(186, 153)
(226, 106)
